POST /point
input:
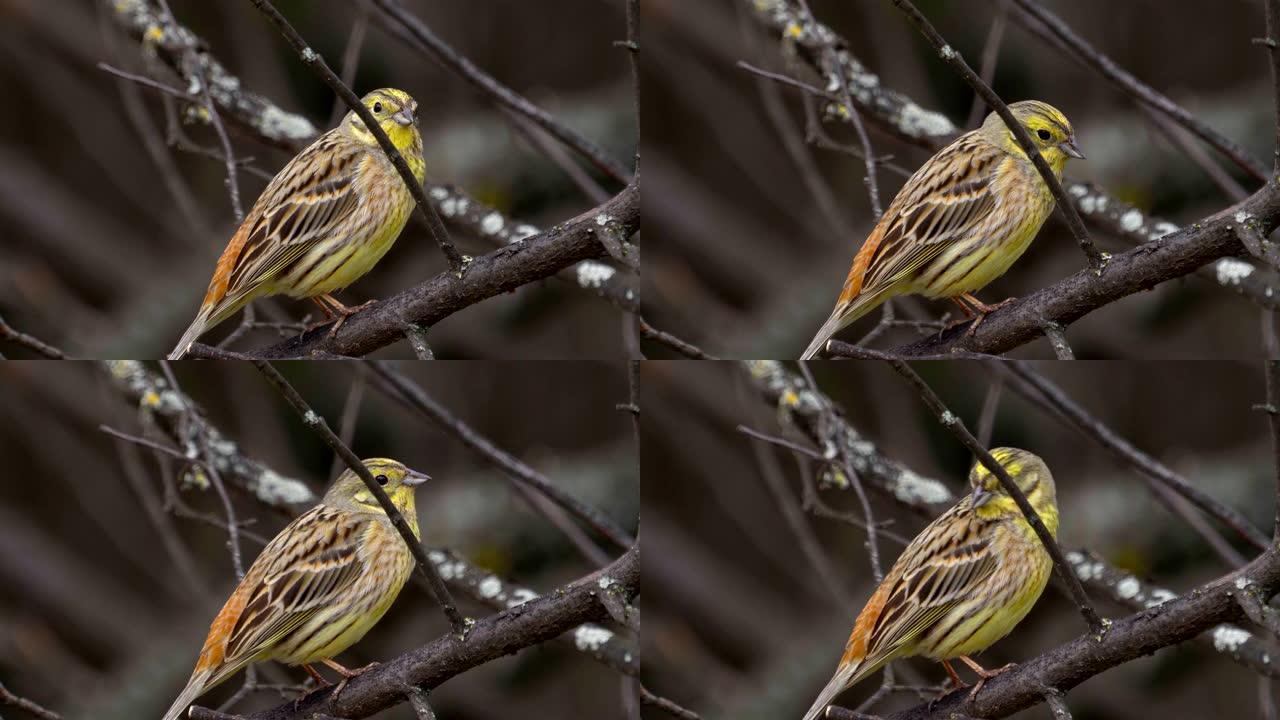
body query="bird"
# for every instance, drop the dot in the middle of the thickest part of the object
(323, 221)
(960, 221)
(318, 586)
(962, 584)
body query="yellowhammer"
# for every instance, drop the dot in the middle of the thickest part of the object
(960, 221)
(962, 584)
(323, 221)
(318, 587)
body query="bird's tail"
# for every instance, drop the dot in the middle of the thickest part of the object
(835, 686)
(197, 328)
(846, 675)
(841, 316)
(195, 686)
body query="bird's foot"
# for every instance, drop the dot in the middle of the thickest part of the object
(976, 310)
(346, 674)
(983, 674)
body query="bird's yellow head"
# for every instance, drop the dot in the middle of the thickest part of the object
(349, 491)
(397, 114)
(1049, 130)
(1029, 473)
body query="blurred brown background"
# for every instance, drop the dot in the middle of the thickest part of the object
(98, 255)
(103, 611)
(739, 624)
(745, 262)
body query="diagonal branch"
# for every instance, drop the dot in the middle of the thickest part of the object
(505, 269)
(411, 29)
(152, 395)
(416, 399)
(952, 58)
(801, 407)
(1133, 87)
(316, 422)
(957, 427)
(528, 624)
(313, 60)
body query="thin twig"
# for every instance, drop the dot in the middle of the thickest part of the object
(414, 397)
(957, 427)
(1139, 91)
(317, 423)
(1273, 417)
(1272, 42)
(30, 342)
(684, 348)
(952, 57)
(410, 28)
(316, 63)
(1147, 465)
(8, 698)
(990, 55)
(667, 706)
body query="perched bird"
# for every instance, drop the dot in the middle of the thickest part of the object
(960, 221)
(318, 587)
(962, 584)
(324, 220)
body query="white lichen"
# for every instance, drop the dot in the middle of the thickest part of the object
(1229, 638)
(276, 489)
(520, 596)
(1131, 220)
(1160, 596)
(309, 55)
(604, 219)
(947, 53)
(590, 638)
(490, 588)
(492, 224)
(1128, 588)
(1243, 582)
(919, 490)
(915, 121)
(1232, 271)
(1163, 228)
(594, 274)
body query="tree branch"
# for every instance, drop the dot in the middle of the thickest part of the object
(490, 638)
(317, 423)
(313, 60)
(505, 269)
(952, 58)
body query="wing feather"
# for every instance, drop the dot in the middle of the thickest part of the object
(933, 581)
(318, 559)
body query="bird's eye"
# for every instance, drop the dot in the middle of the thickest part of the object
(377, 107)
(382, 479)
(1043, 134)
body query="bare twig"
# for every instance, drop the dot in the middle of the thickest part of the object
(8, 698)
(415, 398)
(684, 348)
(317, 423)
(316, 63)
(949, 55)
(990, 55)
(7, 333)
(957, 427)
(1145, 464)
(667, 706)
(1272, 41)
(411, 29)
(1139, 91)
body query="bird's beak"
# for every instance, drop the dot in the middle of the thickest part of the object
(405, 116)
(415, 478)
(980, 496)
(1069, 147)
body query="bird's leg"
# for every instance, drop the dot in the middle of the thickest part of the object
(983, 673)
(976, 309)
(320, 679)
(333, 308)
(346, 673)
(955, 679)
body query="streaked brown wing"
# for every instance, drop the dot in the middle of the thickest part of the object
(934, 582)
(943, 202)
(309, 565)
(304, 203)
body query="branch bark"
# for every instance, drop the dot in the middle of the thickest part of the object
(509, 631)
